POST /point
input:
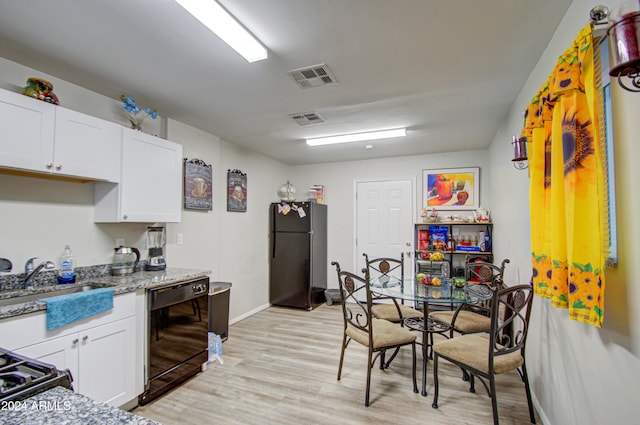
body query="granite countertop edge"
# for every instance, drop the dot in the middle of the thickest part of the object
(120, 285)
(61, 406)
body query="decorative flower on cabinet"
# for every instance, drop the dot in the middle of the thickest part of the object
(135, 113)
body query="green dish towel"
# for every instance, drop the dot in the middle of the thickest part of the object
(69, 308)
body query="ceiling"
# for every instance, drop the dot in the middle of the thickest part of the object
(447, 70)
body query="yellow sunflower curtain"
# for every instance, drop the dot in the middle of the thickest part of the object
(566, 181)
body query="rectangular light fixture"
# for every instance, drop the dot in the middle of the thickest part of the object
(357, 137)
(218, 20)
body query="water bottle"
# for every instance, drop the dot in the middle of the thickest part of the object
(66, 273)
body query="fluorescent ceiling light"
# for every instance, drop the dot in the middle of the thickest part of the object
(357, 137)
(218, 20)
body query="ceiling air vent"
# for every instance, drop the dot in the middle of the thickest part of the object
(307, 118)
(313, 76)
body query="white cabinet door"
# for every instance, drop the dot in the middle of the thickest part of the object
(150, 188)
(38, 136)
(26, 132)
(61, 352)
(86, 146)
(107, 362)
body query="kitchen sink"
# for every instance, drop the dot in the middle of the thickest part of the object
(41, 295)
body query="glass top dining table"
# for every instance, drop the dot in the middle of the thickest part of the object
(445, 295)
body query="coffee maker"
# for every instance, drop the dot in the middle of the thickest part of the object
(156, 238)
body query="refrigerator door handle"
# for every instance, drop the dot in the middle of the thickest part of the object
(273, 245)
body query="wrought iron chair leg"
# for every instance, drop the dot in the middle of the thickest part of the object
(369, 367)
(465, 375)
(435, 382)
(494, 400)
(430, 345)
(382, 356)
(393, 356)
(344, 346)
(525, 379)
(472, 383)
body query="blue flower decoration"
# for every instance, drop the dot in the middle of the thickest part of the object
(133, 111)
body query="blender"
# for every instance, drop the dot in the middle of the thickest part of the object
(155, 244)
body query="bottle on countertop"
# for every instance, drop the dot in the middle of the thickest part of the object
(66, 272)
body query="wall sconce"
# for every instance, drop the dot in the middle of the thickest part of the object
(624, 45)
(519, 152)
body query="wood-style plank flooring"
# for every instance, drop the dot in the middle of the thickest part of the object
(280, 367)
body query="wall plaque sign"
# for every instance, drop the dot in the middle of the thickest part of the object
(236, 191)
(198, 190)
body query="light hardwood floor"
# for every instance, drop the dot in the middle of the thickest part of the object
(280, 367)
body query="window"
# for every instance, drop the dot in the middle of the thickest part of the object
(603, 83)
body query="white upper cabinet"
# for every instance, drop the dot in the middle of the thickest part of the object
(150, 188)
(26, 132)
(40, 137)
(86, 146)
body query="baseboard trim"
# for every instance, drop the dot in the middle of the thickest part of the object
(249, 313)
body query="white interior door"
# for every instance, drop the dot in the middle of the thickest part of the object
(384, 221)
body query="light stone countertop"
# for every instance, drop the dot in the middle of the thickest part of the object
(60, 406)
(121, 284)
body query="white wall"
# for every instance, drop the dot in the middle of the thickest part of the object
(580, 374)
(244, 237)
(338, 179)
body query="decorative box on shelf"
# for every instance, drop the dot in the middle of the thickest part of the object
(467, 248)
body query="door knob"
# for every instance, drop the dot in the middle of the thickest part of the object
(84, 338)
(49, 165)
(58, 167)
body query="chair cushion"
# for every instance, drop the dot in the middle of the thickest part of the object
(385, 334)
(466, 322)
(390, 312)
(473, 351)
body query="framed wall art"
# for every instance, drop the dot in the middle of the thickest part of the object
(236, 191)
(451, 188)
(198, 191)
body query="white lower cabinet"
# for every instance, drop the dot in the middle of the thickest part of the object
(101, 360)
(104, 352)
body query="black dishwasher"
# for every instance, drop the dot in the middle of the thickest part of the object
(177, 335)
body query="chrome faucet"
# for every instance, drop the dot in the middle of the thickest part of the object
(30, 270)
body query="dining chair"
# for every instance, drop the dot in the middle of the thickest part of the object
(473, 318)
(389, 271)
(378, 335)
(502, 351)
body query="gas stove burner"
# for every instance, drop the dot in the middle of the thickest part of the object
(11, 380)
(22, 377)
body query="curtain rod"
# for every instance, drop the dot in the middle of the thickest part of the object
(599, 15)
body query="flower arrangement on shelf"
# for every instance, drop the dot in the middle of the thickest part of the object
(135, 113)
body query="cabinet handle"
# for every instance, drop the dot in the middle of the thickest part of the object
(49, 165)
(58, 167)
(75, 341)
(84, 338)
(125, 217)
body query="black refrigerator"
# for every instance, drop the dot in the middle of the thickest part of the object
(298, 263)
